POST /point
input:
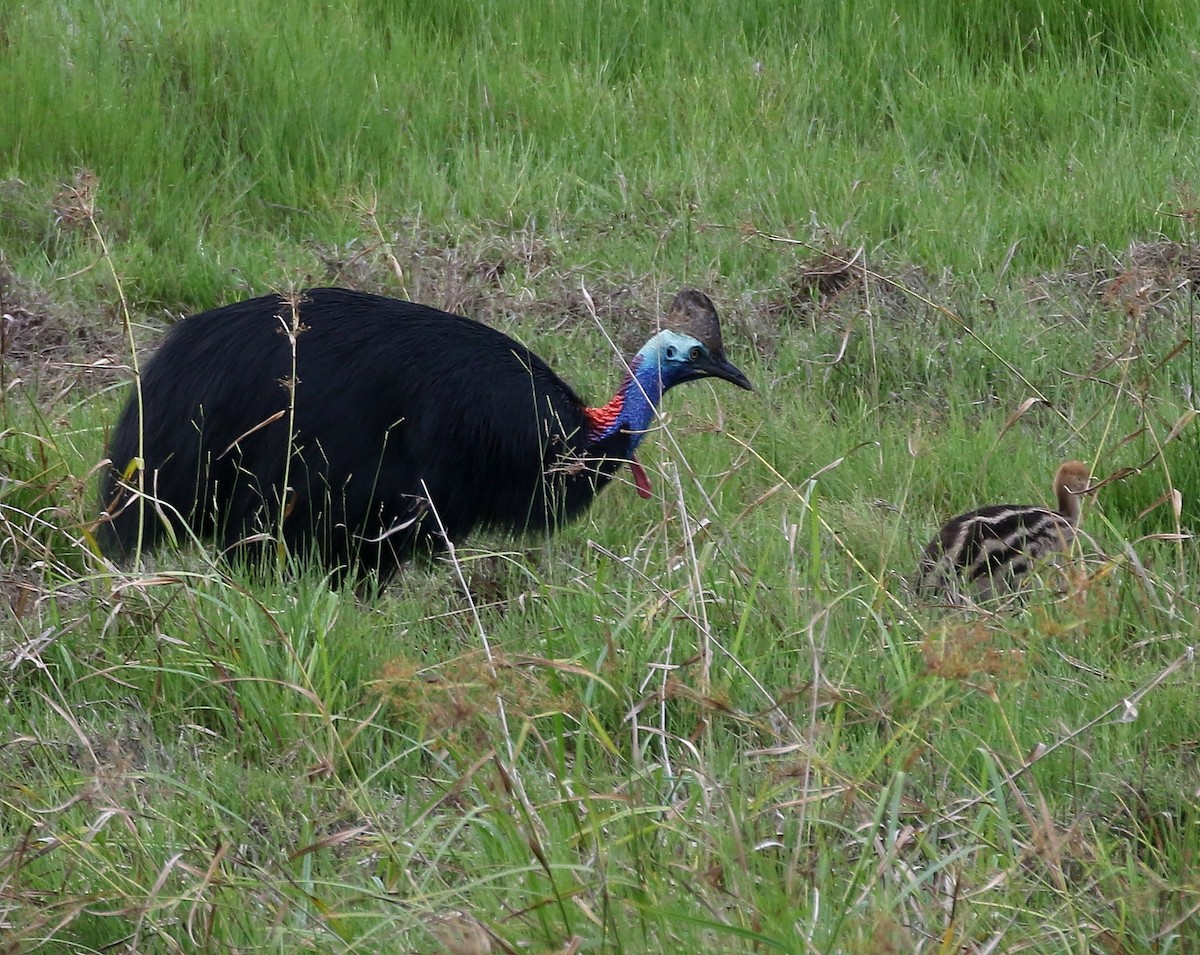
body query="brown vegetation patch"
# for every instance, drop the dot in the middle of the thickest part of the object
(507, 277)
(834, 286)
(1155, 273)
(1170, 264)
(973, 652)
(75, 202)
(816, 284)
(1148, 278)
(458, 700)
(50, 342)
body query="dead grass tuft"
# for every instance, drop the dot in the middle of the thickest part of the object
(506, 276)
(817, 284)
(839, 282)
(1149, 279)
(974, 652)
(1154, 275)
(75, 202)
(51, 345)
(456, 700)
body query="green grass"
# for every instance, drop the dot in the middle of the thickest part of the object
(229, 143)
(718, 720)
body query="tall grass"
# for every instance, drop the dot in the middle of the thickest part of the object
(949, 133)
(719, 720)
(742, 734)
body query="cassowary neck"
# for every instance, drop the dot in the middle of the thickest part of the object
(632, 408)
(1069, 505)
(1071, 481)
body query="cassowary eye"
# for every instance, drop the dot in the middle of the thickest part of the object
(694, 353)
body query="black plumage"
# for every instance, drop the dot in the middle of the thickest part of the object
(988, 551)
(398, 408)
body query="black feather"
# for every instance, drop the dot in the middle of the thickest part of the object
(396, 405)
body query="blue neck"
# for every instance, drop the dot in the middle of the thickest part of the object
(634, 406)
(643, 392)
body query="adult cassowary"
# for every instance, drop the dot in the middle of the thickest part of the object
(350, 424)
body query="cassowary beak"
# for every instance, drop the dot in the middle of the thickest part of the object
(693, 314)
(718, 366)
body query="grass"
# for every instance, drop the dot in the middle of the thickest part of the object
(716, 720)
(947, 138)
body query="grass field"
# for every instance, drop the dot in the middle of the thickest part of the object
(952, 245)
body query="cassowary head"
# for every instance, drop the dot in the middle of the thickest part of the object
(688, 348)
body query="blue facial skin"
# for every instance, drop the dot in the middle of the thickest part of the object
(666, 360)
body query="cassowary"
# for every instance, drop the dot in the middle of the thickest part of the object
(988, 551)
(358, 429)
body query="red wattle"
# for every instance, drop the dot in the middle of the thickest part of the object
(640, 479)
